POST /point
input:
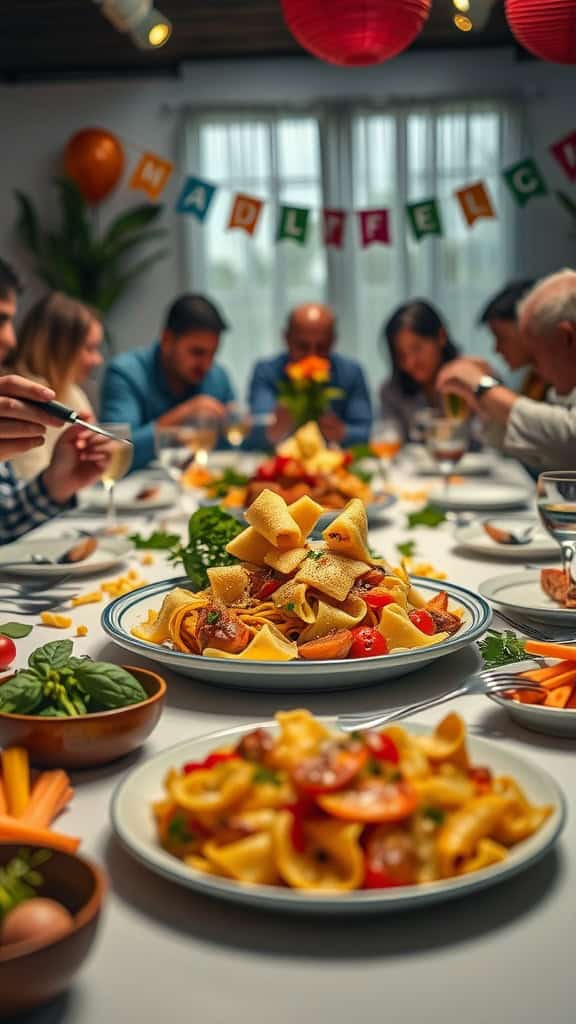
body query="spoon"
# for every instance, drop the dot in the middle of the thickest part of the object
(499, 536)
(79, 551)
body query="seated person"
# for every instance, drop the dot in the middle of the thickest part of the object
(9, 291)
(500, 317)
(541, 435)
(174, 380)
(311, 331)
(418, 346)
(59, 345)
(78, 459)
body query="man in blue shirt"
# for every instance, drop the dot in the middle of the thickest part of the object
(174, 380)
(311, 331)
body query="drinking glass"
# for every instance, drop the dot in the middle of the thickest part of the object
(117, 467)
(386, 442)
(556, 495)
(237, 426)
(179, 446)
(448, 440)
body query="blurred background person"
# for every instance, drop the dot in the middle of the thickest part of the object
(311, 331)
(9, 290)
(60, 346)
(501, 319)
(174, 380)
(418, 344)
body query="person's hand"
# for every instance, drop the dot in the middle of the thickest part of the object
(332, 427)
(461, 377)
(22, 426)
(282, 426)
(200, 407)
(78, 460)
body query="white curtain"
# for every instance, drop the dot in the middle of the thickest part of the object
(351, 157)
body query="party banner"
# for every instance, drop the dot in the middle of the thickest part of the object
(195, 198)
(525, 181)
(334, 227)
(293, 224)
(374, 227)
(424, 218)
(475, 202)
(564, 151)
(151, 175)
(245, 213)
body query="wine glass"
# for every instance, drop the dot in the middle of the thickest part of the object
(386, 441)
(237, 426)
(179, 446)
(448, 440)
(556, 495)
(116, 468)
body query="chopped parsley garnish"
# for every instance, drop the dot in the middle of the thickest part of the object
(290, 607)
(315, 555)
(501, 648)
(264, 775)
(407, 548)
(212, 617)
(178, 830)
(435, 814)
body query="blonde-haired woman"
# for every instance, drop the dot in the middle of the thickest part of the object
(59, 345)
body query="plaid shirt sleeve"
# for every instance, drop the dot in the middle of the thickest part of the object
(23, 505)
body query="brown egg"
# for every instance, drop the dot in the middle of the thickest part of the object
(36, 920)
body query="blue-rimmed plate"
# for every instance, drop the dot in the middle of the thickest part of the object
(121, 615)
(133, 823)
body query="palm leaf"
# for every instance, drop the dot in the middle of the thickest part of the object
(110, 293)
(132, 220)
(113, 250)
(27, 223)
(76, 226)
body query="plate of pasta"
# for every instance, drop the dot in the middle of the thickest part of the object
(289, 613)
(292, 815)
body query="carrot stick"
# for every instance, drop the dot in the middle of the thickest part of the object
(559, 697)
(550, 650)
(46, 799)
(565, 679)
(14, 830)
(16, 774)
(542, 675)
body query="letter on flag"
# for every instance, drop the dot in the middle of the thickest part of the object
(525, 181)
(195, 198)
(564, 151)
(151, 175)
(293, 223)
(424, 218)
(245, 213)
(374, 227)
(475, 202)
(334, 227)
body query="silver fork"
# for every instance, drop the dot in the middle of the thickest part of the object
(534, 633)
(486, 683)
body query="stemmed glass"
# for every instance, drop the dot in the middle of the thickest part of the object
(556, 495)
(116, 468)
(179, 446)
(237, 426)
(448, 440)
(386, 442)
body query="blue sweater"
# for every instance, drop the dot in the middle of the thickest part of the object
(135, 391)
(354, 408)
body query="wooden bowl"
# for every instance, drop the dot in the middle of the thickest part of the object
(31, 973)
(88, 740)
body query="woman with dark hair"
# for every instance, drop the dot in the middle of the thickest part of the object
(419, 345)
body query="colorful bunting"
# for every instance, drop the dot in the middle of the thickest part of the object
(475, 202)
(293, 224)
(424, 218)
(245, 213)
(525, 181)
(151, 175)
(374, 227)
(334, 227)
(195, 198)
(564, 151)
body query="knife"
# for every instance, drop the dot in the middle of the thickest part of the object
(62, 412)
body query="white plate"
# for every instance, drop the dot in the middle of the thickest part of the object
(374, 510)
(120, 615)
(96, 498)
(475, 540)
(461, 497)
(472, 464)
(537, 718)
(110, 551)
(133, 823)
(521, 593)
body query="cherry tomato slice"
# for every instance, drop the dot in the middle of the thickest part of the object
(267, 471)
(423, 621)
(378, 600)
(373, 800)
(367, 643)
(382, 747)
(7, 652)
(209, 762)
(391, 859)
(268, 588)
(331, 769)
(300, 810)
(481, 777)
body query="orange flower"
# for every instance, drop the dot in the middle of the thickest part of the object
(311, 368)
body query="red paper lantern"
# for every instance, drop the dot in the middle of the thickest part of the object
(94, 159)
(547, 28)
(355, 32)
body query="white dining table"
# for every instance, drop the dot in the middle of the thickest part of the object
(165, 954)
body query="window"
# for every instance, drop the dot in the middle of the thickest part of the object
(352, 158)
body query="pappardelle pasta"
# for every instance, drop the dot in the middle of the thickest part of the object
(307, 808)
(288, 599)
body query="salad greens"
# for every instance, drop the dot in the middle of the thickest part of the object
(58, 685)
(15, 630)
(430, 515)
(228, 478)
(210, 530)
(159, 540)
(499, 649)
(19, 879)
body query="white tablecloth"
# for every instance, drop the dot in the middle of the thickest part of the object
(164, 954)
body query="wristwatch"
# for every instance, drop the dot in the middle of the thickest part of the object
(486, 383)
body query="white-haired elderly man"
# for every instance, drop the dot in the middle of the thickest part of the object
(541, 435)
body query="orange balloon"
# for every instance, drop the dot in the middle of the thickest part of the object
(94, 159)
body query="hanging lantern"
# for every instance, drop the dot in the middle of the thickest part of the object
(355, 32)
(547, 28)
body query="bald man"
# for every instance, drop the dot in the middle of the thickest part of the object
(311, 331)
(541, 435)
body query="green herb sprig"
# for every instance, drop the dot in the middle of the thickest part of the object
(407, 548)
(20, 878)
(15, 630)
(228, 479)
(210, 530)
(159, 540)
(430, 516)
(499, 649)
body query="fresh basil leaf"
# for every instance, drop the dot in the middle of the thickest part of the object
(15, 630)
(22, 694)
(52, 712)
(499, 649)
(430, 516)
(109, 685)
(159, 540)
(51, 657)
(407, 548)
